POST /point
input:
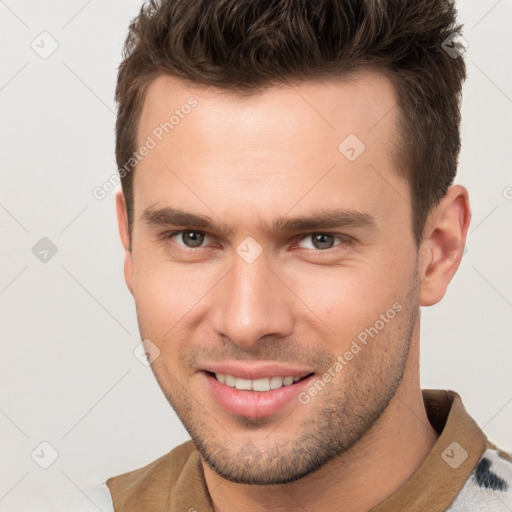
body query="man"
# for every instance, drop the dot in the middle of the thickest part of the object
(287, 206)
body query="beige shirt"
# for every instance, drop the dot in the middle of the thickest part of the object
(464, 471)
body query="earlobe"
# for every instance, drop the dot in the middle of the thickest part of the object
(124, 233)
(443, 244)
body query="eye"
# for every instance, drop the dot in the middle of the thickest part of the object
(192, 239)
(187, 238)
(322, 241)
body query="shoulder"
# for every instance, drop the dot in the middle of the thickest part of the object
(160, 474)
(489, 487)
(171, 464)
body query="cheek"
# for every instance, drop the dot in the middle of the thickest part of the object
(167, 294)
(347, 299)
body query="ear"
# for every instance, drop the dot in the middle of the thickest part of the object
(124, 233)
(442, 247)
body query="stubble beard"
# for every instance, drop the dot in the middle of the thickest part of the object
(340, 416)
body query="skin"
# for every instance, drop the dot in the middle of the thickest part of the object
(246, 162)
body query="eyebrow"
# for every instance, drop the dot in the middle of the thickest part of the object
(314, 221)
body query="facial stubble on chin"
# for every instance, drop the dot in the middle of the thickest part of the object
(341, 415)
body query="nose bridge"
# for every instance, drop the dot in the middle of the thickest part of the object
(251, 302)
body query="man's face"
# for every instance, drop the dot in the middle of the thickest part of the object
(259, 298)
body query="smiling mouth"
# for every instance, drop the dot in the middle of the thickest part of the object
(261, 385)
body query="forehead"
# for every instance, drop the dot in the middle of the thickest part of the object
(361, 103)
(285, 139)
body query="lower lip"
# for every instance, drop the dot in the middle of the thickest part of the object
(254, 404)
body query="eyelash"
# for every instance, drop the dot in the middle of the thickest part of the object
(344, 239)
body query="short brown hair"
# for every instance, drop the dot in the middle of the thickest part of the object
(244, 46)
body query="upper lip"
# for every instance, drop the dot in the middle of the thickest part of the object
(258, 370)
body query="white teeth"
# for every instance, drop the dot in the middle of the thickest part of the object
(265, 384)
(276, 382)
(243, 384)
(261, 384)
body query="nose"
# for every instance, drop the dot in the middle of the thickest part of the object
(251, 303)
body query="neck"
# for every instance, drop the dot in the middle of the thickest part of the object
(358, 479)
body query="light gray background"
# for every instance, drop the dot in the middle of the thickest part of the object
(68, 374)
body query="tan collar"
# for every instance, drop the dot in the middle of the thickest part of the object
(175, 482)
(443, 473)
